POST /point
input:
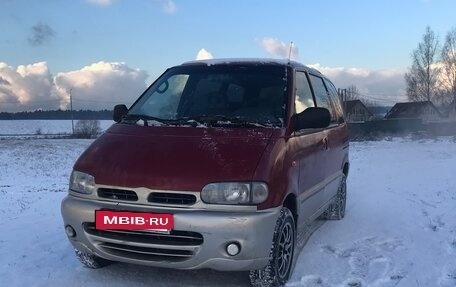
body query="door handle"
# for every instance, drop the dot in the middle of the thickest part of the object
(325, 143)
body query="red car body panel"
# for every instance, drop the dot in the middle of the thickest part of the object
(174, 158)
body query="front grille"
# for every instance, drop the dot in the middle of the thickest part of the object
(117, 194)
(172, 198)
(175, 237)
(142, 245)
(146, 253)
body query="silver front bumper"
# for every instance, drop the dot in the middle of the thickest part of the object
(199, 240)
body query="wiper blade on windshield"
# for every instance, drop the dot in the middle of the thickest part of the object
(249, 122)
(144, 118)
(208, 120)
(222, 120)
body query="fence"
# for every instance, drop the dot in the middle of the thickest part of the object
(398, 127)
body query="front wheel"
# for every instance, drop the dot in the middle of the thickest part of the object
(278, 270)
(336, 211)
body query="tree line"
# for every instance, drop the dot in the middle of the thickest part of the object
(58, 115)
(432, 75)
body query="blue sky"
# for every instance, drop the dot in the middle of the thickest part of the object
(355, 37)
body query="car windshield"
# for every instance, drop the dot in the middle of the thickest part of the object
(216, 94)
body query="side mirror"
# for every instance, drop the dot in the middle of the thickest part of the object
(119, 112)
(312, 118)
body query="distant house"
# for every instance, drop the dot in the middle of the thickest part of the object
(356, 111)
(425, 111)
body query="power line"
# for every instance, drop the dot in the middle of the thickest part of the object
(373, 97)
(365, 97)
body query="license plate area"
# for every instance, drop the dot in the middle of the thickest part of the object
(127, 220)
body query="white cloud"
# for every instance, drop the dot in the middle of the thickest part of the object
(97, 86)
(101, 2)
(169, 7)
(385, 86)
(277, 48)
(103, 84)
(203, 54)
(28, 86)
(100, 85)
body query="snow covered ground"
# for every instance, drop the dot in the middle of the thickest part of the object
(399, 230)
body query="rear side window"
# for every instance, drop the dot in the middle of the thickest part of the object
(322, 96)
(335, 101)
(303, 99)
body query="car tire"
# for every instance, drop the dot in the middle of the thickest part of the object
(91, 261)
(336, 210)
(279, 268)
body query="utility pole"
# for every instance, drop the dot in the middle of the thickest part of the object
(345, 101)
(71, 110)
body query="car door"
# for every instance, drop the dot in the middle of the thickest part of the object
(308, 149)
(322, 99)
(337, 143)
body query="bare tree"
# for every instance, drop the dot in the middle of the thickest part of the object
(87, 129)
(421, 79)
(448, 58)
(353, 93)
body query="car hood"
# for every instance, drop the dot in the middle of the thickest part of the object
(174, 158)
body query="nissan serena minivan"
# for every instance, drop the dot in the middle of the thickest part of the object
(219, 164)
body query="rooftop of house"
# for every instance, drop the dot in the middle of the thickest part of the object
(410, 109)
(349, 105)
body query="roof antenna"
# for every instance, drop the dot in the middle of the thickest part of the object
(289, 53)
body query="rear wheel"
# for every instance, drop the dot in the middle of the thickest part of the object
(92, 261)
(278, 270)
(336, 210)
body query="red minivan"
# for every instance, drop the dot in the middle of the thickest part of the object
(219, 164)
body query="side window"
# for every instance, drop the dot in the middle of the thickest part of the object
(335, 101)
(303, 99)
(322, 96)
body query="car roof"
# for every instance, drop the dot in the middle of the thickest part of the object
(254, 61)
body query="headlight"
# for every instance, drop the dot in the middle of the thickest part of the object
(235, 193)
(82, 182)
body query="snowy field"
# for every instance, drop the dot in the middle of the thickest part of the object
(399, 230)
(8, 127)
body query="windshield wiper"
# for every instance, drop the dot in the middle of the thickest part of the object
(249, 122)
(222, 120)
(209, 120)
(144, 118)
